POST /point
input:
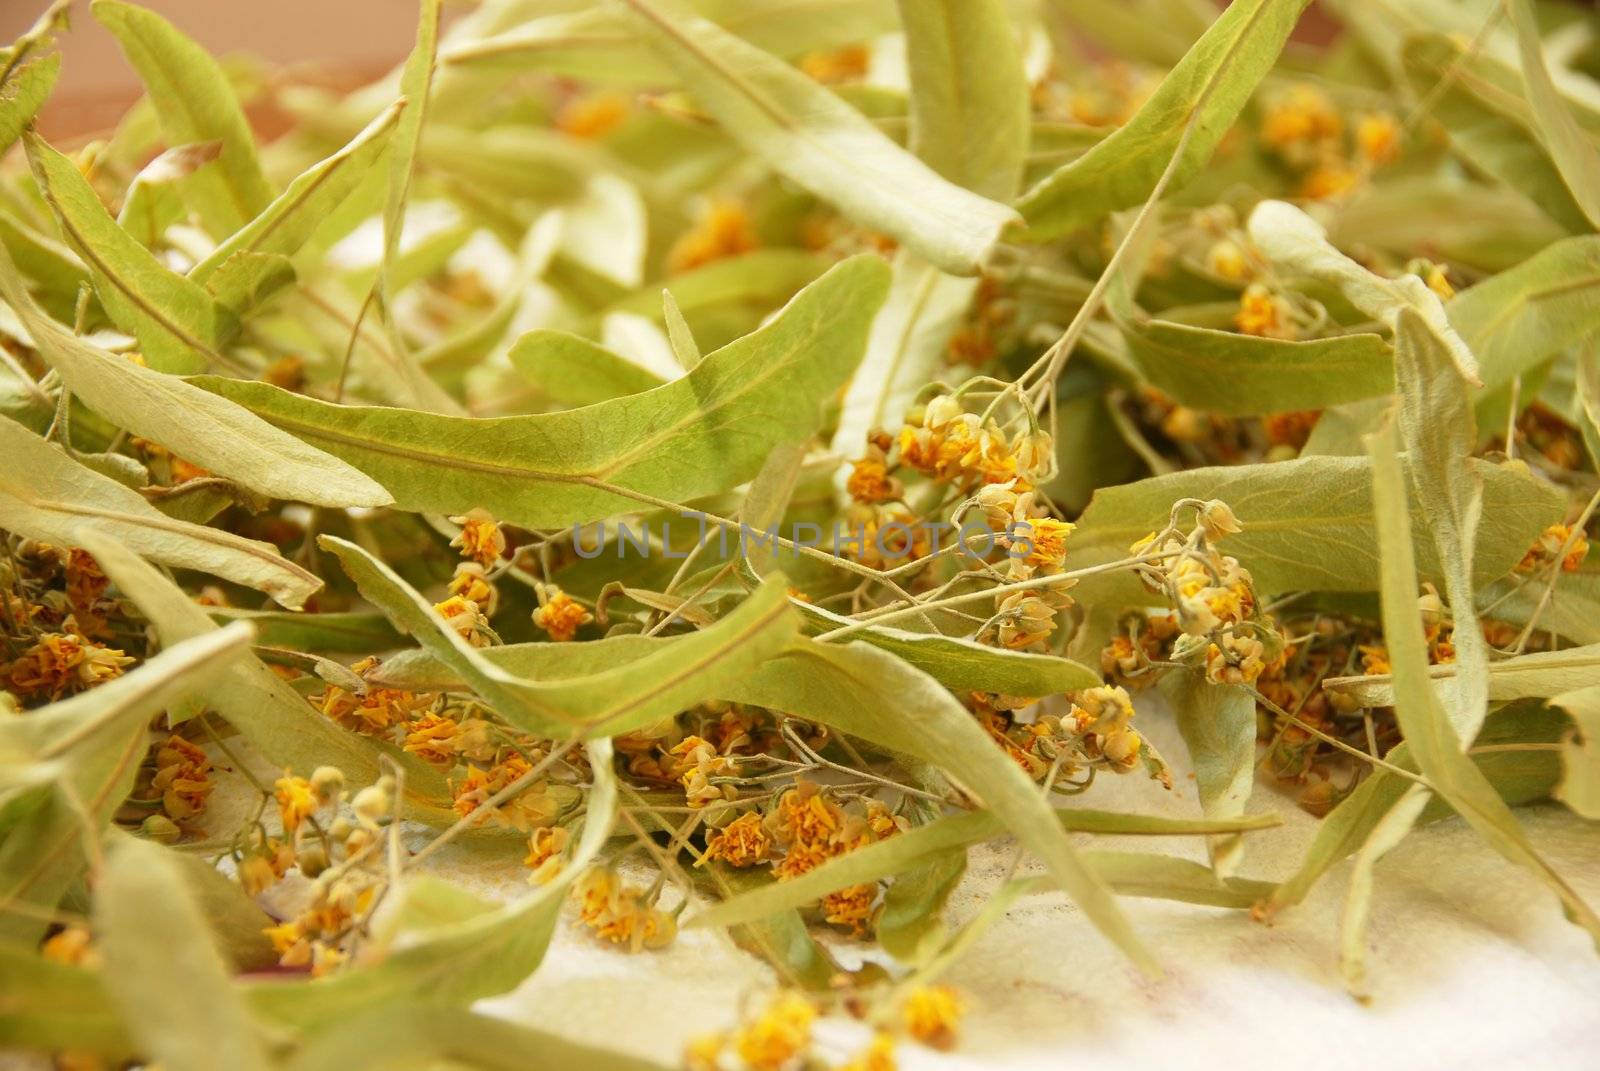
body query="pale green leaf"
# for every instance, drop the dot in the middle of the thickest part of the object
(1246, 375)
(1211, 84)
(1539, 675)
(1440, 437)
(195, 102)
(22, 94)
(1519, 318)
(1165, 877)
(819, 142)
(781, 939)
(957, 663)
(1308, 523)
(1488, 122)
(236, 921)
(706, 432)
(1218, 724)
(1157, 32)
(1434, 741)
(416, 83)
(288, 222)
(49, 263)
(679, 333)
(192, 423)
(410, 1035)
(246, 279)
(1294, 240)
(1519, 774)
(572, 371)
(179, 326)
(969, 93)
(154, 201)
(681, 672)
(1575, 156)
(1390, 830)
(597, 44)
(908, 925)
(1580, 751)
(46, 495)
(152, 934)
(606, 229)
(964, 665)
(467, 345)
(766, 501)
(53, 1006)
(898, 854)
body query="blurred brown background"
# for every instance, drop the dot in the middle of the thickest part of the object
(348, 41)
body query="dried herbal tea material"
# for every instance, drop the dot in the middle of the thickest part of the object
(724, 467)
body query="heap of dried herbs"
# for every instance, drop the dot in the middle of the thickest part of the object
(740, 455)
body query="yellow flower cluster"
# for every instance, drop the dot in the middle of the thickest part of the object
(1263, 314)
(1552, 546)
(870, 482)
(615, 912)
(741, 843)
(296, 799)
(948, 444)
(848, 64)
(342, 860)
(813, 829)
(778, 1035)
(988, 328)
(932, 1013)
(1303, 127)
(1035, 546)
(540, 804)
(1103, 717)
(560, 614)
(471, 582)
(467, 619)
(182, 777)
(1126, 659)
(1290, 429)
(374, 711)
(1108, 96)
(442, 740)
(72, 945)
(545, 846)
(313, 938)
(877, 1056)
(62, 663)
(697, 762)
(723, 230)
(480, 538)
(775, 1039)
(593, 115)
(1214, 598)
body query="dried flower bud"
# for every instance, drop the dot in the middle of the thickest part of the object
(1218, 520)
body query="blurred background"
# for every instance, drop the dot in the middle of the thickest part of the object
(339, 43)
(342, 42)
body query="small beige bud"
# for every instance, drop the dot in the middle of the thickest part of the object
(160, 828)
(328, 783)
(311, 859)
(1218, 520)
(371, 804)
